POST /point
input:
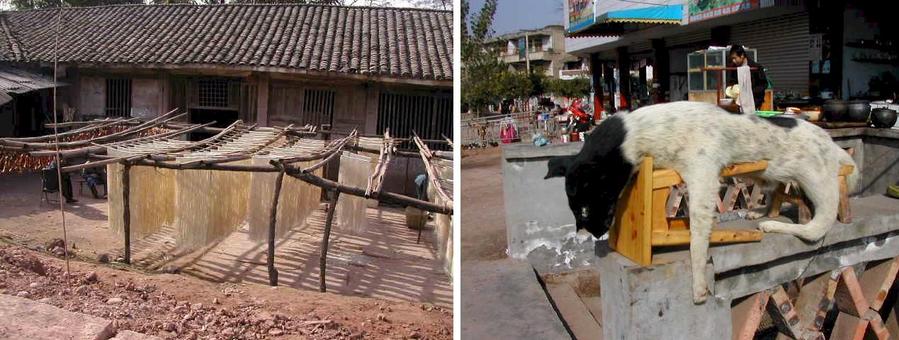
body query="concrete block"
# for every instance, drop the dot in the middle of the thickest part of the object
(504, 300)
(539, 225)
(26, 319)
(656, 302)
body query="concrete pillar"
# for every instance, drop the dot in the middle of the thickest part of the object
(624, 77)
(661, 72)
(656, 302)
(262, 90)
(596, 76)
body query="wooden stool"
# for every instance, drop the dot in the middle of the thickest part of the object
(641, 222)
(794, 195)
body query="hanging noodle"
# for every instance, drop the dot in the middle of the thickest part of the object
(152, 198)
(444, 230)
(297, 201)
(209, 204)
(351, 210)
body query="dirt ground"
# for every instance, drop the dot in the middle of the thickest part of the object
(385, 267)
(483, 212)
(176, 306)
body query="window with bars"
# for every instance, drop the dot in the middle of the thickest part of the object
(430, 117)
(212, 93)
(318, 107)
(118, 97)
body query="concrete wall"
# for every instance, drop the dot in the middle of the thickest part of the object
(539, 225)
(145, 94)
(92, 97)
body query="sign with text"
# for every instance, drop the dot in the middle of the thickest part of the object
(700, 10)
(581, 14)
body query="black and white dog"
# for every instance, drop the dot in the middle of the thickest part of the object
(698, 140)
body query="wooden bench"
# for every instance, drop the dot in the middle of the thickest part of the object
(641, 221)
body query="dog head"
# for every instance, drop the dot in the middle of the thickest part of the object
(595, 177)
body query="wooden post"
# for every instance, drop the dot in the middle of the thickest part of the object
(126, 210)
(323, 260)
(273, 217)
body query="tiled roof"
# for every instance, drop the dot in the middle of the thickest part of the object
(390, 42)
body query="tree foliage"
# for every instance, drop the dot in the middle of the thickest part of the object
(574, 88)
(482, 72)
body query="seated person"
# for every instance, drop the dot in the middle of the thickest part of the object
(94, 177)
(66, 186)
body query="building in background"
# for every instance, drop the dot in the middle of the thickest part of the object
(811, 49)
(539, 50)
(339, 68)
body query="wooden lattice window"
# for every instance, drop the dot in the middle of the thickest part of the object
(318, 106)
(429, 116)
(212, 93)
(118, 97)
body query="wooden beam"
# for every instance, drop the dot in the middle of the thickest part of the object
(126, 210)
(682, 237)
(668, 177)
(273, 217)
(323, 259)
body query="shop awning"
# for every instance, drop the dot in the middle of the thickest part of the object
(618, 22)
(18, 81)
(671, 14)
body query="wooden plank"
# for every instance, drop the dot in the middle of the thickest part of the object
(784, 313)
(659, 216)
(682, 237)
(744, 168)
(846, 170)
(630, 236)
(849, 327)
(126, 210)
(876, 281)
(664, 178)
(777, 200)
(875, 324)
(679, 223)
(273, 217)
(849, 297)
(576, 315)
(844, 214)
(892, 322)
(323, 258)
(815, 300)
(747, 315)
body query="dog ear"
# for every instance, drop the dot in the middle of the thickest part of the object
(558, 166)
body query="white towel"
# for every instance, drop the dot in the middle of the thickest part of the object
(745, 99)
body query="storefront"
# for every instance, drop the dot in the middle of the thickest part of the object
(810, 51)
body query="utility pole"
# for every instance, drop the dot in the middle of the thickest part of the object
(527, 53)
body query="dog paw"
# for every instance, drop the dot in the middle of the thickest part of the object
(700, 295)
(754, 215)
(768, 226)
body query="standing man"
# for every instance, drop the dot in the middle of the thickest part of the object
(758, 79)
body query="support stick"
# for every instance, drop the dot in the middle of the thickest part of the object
(323, 260)
(126, 210)
(272, 272)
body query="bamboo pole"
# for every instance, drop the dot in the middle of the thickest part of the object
(272, 272)
(126, 210)
(323, 259)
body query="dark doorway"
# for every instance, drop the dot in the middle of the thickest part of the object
(222, 119)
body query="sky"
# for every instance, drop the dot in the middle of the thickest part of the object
(515, 15)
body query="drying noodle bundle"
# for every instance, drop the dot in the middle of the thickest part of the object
(351, 210)
(210, 205)
(151, 198)
(296, 202)
(444, 229)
